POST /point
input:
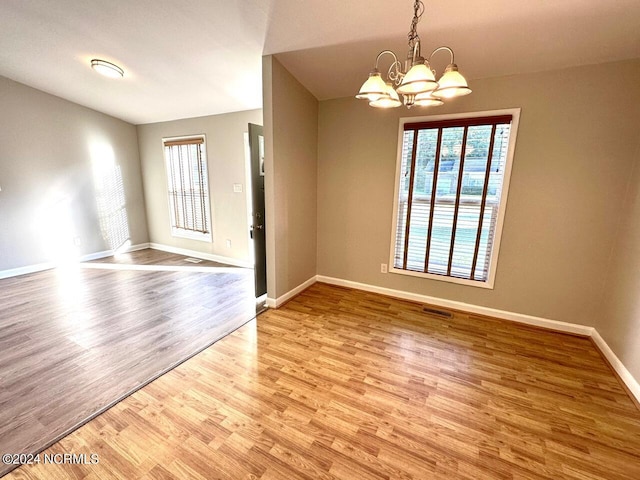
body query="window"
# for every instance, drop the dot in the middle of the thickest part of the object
(451, 190)
(188, 187)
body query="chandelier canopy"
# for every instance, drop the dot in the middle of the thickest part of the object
(416, 80)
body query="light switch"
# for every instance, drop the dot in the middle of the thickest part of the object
(237, 188)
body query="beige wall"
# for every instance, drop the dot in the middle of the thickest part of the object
(291, 161)
(65, 171)
(225, 147)
(619, 319)
(574, 154)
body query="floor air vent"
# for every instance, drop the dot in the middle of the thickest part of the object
(438, 313)
(192, 260)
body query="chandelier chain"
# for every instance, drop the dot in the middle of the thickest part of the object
(418, 10)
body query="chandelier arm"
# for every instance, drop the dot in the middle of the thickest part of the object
(395, 72)
(390, 53)
(415, 53)
(443, 48)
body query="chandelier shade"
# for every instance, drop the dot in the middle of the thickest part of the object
(415, 80)
(418, 79)
(427, 100)
(374, 88)
(389, 100)
(452, 84)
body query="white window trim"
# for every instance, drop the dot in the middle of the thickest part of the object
(489, 283)
(180, 232)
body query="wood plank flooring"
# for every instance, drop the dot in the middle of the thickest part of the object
(72, 341)
(342, 384)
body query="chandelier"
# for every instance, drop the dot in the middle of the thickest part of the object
(417, 81)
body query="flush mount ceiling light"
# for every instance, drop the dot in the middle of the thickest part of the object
(416, 82)
(107, 69)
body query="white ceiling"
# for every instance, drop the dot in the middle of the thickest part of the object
(490, 38)
(201, 57)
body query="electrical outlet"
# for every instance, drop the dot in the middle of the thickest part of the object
(383, 268)
(237, 188)
(77, 241)
(228, 243)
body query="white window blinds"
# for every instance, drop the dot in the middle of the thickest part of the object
(450, 186)
(188, 187)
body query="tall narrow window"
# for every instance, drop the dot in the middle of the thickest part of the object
(451, 190)
(189, 206)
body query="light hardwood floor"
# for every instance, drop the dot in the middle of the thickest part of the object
(75, 340)
(342, 384)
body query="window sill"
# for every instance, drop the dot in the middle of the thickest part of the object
(201, 237)
(443, 278)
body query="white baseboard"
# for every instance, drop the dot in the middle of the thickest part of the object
(14, 272)
(204, 256)
(277, 302)
(110, 253)
(625, 375)
(132, 248)
(40, 267)
(466, 307)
